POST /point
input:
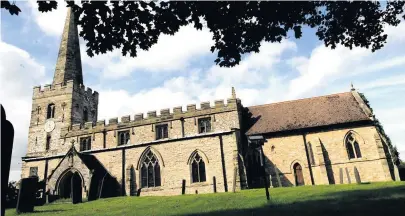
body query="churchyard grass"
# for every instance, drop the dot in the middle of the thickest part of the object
(382, 199)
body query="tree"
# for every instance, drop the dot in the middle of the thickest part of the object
(11, 195)
(237, 27)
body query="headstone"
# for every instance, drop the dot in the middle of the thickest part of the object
(348, 176)
(341, 175)
(27, 195)
(357, 175)
(7, 140)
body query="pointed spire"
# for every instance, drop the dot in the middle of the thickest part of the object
(69, 64)
(233, 93)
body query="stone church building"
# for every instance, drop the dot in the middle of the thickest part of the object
(321, 140)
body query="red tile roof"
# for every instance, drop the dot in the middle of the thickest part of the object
(306, 113)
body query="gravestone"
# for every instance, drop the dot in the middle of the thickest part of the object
(27, 195)
(7, 138)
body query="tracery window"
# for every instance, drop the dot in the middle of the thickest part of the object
(123, 137)
(198, 169)
(150, 171)
(352, 146)
(50, 111)
(85, 143)
(85, 115)
(48, 142)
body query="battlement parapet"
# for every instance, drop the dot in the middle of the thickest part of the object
(177, 110)
(152, 118)
(138, 117)
(88, 125)
(76, 127)
(52, 89)
(151, 114)
(64, 88)
(125, 119)
(82, 90)
(113, 121)
(100, 123)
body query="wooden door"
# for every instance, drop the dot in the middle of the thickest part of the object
(299, 177)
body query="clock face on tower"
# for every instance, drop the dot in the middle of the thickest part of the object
(49, 126)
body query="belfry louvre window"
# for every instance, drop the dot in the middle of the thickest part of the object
(204, 125)
(123, 137)
(85, 115)
(150, 171)
(85, 143)
(50, 111)
(352, 146)
(198, 169)
(33, 171)
(161, 131)
(48, 142)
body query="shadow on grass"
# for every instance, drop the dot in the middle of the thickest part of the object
(48, 211)
(384, 201)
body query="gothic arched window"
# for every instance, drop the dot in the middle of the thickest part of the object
(50, 111)
(352, 146)
(150, 170)
(198, 169)
(85, 115)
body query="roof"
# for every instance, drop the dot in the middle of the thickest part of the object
(305, 113)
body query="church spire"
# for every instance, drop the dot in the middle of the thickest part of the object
(69, 64)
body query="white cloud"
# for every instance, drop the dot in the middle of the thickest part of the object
(19, 72)
(51, 23)
(170, 53)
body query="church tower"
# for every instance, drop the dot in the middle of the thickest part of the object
(62, 103)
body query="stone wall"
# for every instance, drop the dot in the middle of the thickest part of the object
(329, 156)
(69, 100)
(142, 130)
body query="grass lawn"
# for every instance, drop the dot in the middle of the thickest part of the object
(382, 199)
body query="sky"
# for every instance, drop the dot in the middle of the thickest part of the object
(180, 70)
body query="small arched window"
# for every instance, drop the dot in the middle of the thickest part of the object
(150, 171)
(198, 169)
(85, 115)
(50, 111)
(352, 146)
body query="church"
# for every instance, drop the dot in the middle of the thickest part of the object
(223, 147)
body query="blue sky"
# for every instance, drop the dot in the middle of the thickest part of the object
(180, 70)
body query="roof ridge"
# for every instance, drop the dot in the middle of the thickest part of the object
(289, 101)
